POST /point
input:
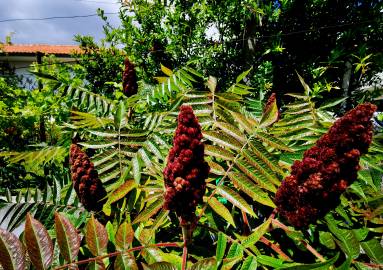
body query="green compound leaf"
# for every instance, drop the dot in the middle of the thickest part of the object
(251, 189)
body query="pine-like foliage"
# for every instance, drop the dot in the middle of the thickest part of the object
(316, 182)
(186, 170)
(129, 79)
(85, 179)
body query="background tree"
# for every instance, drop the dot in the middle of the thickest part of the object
(102, 65)
(277, 38)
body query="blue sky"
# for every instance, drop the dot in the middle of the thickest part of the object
(57, 31)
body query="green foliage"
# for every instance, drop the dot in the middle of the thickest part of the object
(102, 66)
(249, 146)
(248, 156)
(223, 38)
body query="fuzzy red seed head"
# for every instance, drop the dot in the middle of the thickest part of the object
(326, 169)
(129, 79)
(186, 170)
(85, 179)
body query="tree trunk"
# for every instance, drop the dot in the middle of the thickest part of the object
(346, 86)
(42, 131)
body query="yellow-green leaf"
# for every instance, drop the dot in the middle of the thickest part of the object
(231, 130)
(235, 199)
(221, 210)
(121, 191)
(270, 115)
(258, 176)
(149, 211)
(222, 139)
(125, 262)
(248, 186)
(215, 168)
(257, 234)
(166, 70)
(216, 151)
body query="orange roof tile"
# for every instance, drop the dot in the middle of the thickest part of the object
(43, 48)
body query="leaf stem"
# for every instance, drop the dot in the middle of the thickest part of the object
(116, 253)
(304, 242)
(184, 256)
(372, 265)
(275, 247)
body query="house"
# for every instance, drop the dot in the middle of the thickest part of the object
(20, 56)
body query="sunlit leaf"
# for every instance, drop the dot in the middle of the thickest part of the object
(161, 266)
(149, 211)
(374, 250)
(257, 234)
(270, 115)
(125, 262)
(121, 191)
(166, 70)
(235, 199)
(221, 210)
(251, 189)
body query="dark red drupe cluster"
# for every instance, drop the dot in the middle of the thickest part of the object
(85, 179)
(327, 169)
(129, 79)
(186, 170)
